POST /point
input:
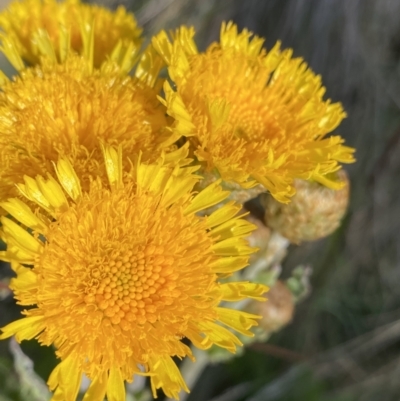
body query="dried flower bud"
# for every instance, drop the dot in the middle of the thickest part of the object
(314, 212)
(277, 311)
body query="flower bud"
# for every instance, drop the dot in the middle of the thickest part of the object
(314, 212)
(277, 311)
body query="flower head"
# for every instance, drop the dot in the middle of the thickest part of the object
(67, 109)
(252, 116)
(35, 27)
(122, 272)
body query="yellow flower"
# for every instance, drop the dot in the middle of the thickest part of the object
(28, 23)
(252, 116)
(68, 109)
(123, 272)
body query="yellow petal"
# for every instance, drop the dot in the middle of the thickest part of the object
(173, 137)
(163, 46)
(178, 187)
(69, 378)
(220, 336)
(149, 66)
(32, 192)
(176, 108)
(233, 246)
(273, 57)
(198, 340)
(233, 228)
(179, 156)
(15, 254)
(281, 191)
(53, 378)
(115, 385)
(53, 192)
(22, 238)
(44, 45)
(58, 395)
(237, 320)
(125, 55)
(23, 329)
(23, 214)
(223, 214)
(113, 160)
(87, 34)
(180, 62)
(241, 290)
(152, 177)
(208, 197)
(68, 178)
(64, 43)
(230, 38)
(166, 376)
(97, 389)
(184, 37)
(25, 282)
(229, 264)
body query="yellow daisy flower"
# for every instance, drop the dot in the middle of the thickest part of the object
(28, 23)
(67, 109)
(252, 116)
(123, 272)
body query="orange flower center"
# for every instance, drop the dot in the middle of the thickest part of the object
(126, 266)
(133, 285)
